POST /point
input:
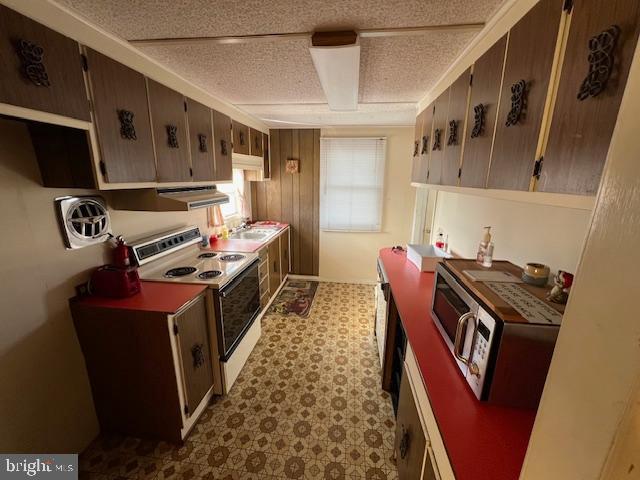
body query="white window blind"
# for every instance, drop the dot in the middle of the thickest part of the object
(352, 181)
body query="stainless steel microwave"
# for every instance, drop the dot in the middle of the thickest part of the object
(504, 363)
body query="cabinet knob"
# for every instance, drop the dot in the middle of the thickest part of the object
(33, 68)
(241, 137)
(197, 352)
(202, 142)
(172, 136)
(474, 369)
(479, 112)
(403, 447)
(425, 144)
(127, 128)
(223, 147)
(518, 103)
(601, 61)
(437, 145)
(453, 133)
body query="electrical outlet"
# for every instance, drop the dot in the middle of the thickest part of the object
(82, 289)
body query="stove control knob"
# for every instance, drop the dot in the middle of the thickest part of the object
(474, 369)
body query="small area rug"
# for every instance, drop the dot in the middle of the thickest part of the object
(295, 297)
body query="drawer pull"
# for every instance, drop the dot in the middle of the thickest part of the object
(518, 103)
(479, 112)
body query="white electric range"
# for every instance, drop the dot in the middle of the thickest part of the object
(176, 257)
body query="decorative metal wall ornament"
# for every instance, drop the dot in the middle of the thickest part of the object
(172, 136)
(223, 146)
(197, 352)
(453, 133)
(601, 62)
(127, 129)
(479, 112)
(202, 142)
(425, 144)
(518, 102)
(33, 67)
(416, 146)
(437, 144)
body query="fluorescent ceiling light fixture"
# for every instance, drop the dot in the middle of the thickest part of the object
(339, 72)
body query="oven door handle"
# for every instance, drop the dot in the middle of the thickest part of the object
(458, 345)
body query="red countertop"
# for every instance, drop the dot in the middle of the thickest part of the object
(484, 442)
(153, 297)
(245, 246)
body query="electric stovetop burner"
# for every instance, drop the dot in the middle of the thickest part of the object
(209, 274)
(232, 258)
(180, 272)
(207, 255)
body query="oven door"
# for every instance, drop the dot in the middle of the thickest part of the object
(454, 313)
(237, 308)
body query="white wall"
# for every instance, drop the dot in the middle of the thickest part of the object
(45, 399)
(522, 232)
(351, 257)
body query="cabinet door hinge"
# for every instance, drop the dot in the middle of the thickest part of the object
(185, 105)
(175, 329)
(85, 62)
(568, 6)
(428, 174)
(186, 409)
(537, 167)
(103, 168)
(190, 172)
(471, 80)
(459, 172)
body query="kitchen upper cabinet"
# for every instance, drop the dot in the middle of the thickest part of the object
(266, 156)
(438, 141)
(40, 69)
(530, 54)
(240, 138)
(169, 122)
(410, 442)
(455, 127)
(121, 114)
(255, 139)
(201, 139)
(222, 146)
(589, 94)
(481, 114)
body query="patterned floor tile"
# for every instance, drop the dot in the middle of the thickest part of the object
(307, 405)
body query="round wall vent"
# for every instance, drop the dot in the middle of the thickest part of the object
(83, 220)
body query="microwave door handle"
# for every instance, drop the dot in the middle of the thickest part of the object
(459, 342)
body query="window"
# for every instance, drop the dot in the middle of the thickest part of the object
(235, 190)
(352, 176)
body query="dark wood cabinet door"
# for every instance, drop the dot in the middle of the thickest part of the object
(284, 254)
(240, 138)
(255, 142)
(201, 140)
(530, 52)
(416, 164)
(481, 115)
(581, 130)
(454, 133)
(169, 122)
(193, 338)
(410, 442)
(40, 69)
(438, 140)
(274, 265)
(266, 156)
(222, 146)
(122, 120)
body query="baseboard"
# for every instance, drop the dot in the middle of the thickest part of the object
(317, 278)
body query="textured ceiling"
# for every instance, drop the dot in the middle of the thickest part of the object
(279, 72)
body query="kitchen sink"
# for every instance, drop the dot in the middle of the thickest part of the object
(253, 234)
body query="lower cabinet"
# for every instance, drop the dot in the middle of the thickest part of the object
(274, 265)
(411, 442)
(151, 373)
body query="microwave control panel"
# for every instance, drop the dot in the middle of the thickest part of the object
(479, 359)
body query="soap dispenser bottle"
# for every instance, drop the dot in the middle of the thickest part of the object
(483, 248)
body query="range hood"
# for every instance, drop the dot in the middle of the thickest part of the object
(178, 199)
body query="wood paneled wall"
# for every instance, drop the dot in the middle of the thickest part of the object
(293, 198)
